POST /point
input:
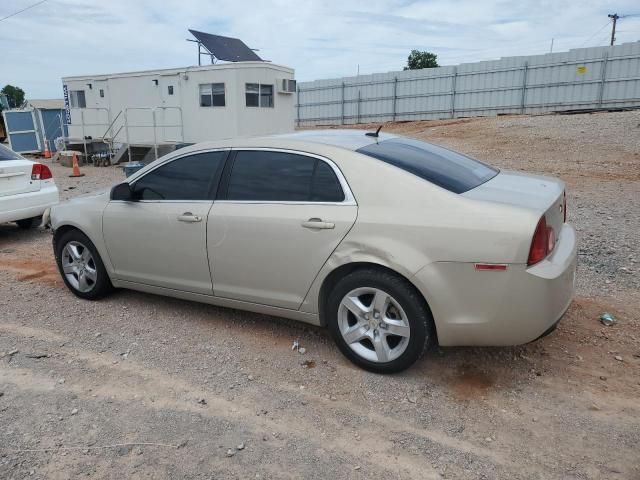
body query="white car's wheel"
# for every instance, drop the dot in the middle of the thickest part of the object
(379, 321)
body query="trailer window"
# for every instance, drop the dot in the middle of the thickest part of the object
(252, 94)
(259, 95)
(170, 89)
(211, 95)
(77, 99)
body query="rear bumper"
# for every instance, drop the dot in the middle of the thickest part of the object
(500, 308)
(27, 205)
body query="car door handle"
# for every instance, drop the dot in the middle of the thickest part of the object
(189, 217)
(318, 224)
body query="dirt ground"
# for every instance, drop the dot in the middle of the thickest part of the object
(140, 386)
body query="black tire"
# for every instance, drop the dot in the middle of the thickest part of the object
(418, 316)
(102, 285)
(28, 223)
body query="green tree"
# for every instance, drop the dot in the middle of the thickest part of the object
(14, 94)
(418, 59)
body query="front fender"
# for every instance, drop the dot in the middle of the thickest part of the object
(84, 214)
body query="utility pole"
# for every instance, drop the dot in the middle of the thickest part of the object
(615, 18)
(551, 49)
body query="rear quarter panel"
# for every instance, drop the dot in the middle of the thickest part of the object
(405, 223)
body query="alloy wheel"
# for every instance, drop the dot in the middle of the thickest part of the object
(79, 266)
(373, 324)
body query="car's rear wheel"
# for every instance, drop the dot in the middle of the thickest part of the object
(379, 320)
(81, 266)
(28, 223)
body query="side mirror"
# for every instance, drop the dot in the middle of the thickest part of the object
(123, 192)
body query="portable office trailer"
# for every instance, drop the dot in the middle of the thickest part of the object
(40, 122)
(181, 105)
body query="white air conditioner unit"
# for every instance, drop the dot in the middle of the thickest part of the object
(286, 85)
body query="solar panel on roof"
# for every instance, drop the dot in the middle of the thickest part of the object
(226, 48)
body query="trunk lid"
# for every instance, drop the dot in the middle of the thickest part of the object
(544, 195)
(15, 177)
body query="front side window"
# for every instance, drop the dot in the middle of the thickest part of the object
(211, 95)
(259, 95)
(447, 169)
(101, 93)
(170, 89)
(77, 99)
(282, 177)
(194, 177)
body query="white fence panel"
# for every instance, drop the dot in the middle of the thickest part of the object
(586, 78)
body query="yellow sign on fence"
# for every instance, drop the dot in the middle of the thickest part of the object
(581, 69)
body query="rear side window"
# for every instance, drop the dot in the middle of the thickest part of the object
(447, 169)
(194, 177)
(282, 177)
(6, 154)
(325, 187)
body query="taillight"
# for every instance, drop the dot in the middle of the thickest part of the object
(543, 242)
(40, 172)
(564, 205)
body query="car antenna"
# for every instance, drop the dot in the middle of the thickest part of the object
(374, 134)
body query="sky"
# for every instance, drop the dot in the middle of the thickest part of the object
(319, 39)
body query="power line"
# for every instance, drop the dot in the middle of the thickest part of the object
(23, 10)
(599, 30)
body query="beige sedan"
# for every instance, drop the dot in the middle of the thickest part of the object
(392, 243)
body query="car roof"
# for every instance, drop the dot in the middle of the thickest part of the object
(349, 139)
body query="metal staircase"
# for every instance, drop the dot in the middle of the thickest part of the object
(120, 137)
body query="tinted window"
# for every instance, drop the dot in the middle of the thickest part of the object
(326, 187)
(445, 168)
(6, 154)
(280, 176)
(189, 178)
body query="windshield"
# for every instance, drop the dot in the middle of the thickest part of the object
(445, 168)
(6, 154)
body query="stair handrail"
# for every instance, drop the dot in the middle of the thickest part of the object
(104, 136)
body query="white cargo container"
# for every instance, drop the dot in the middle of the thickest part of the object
(181, 105)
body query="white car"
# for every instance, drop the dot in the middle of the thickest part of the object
(27, 189)
(391, 243)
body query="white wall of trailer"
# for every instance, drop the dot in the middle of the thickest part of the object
(584, 78)
(130, 101)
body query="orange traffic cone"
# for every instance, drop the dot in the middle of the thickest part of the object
(76, 168)
(47, 153)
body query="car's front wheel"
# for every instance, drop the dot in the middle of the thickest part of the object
(81, 266)
(379, 320)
